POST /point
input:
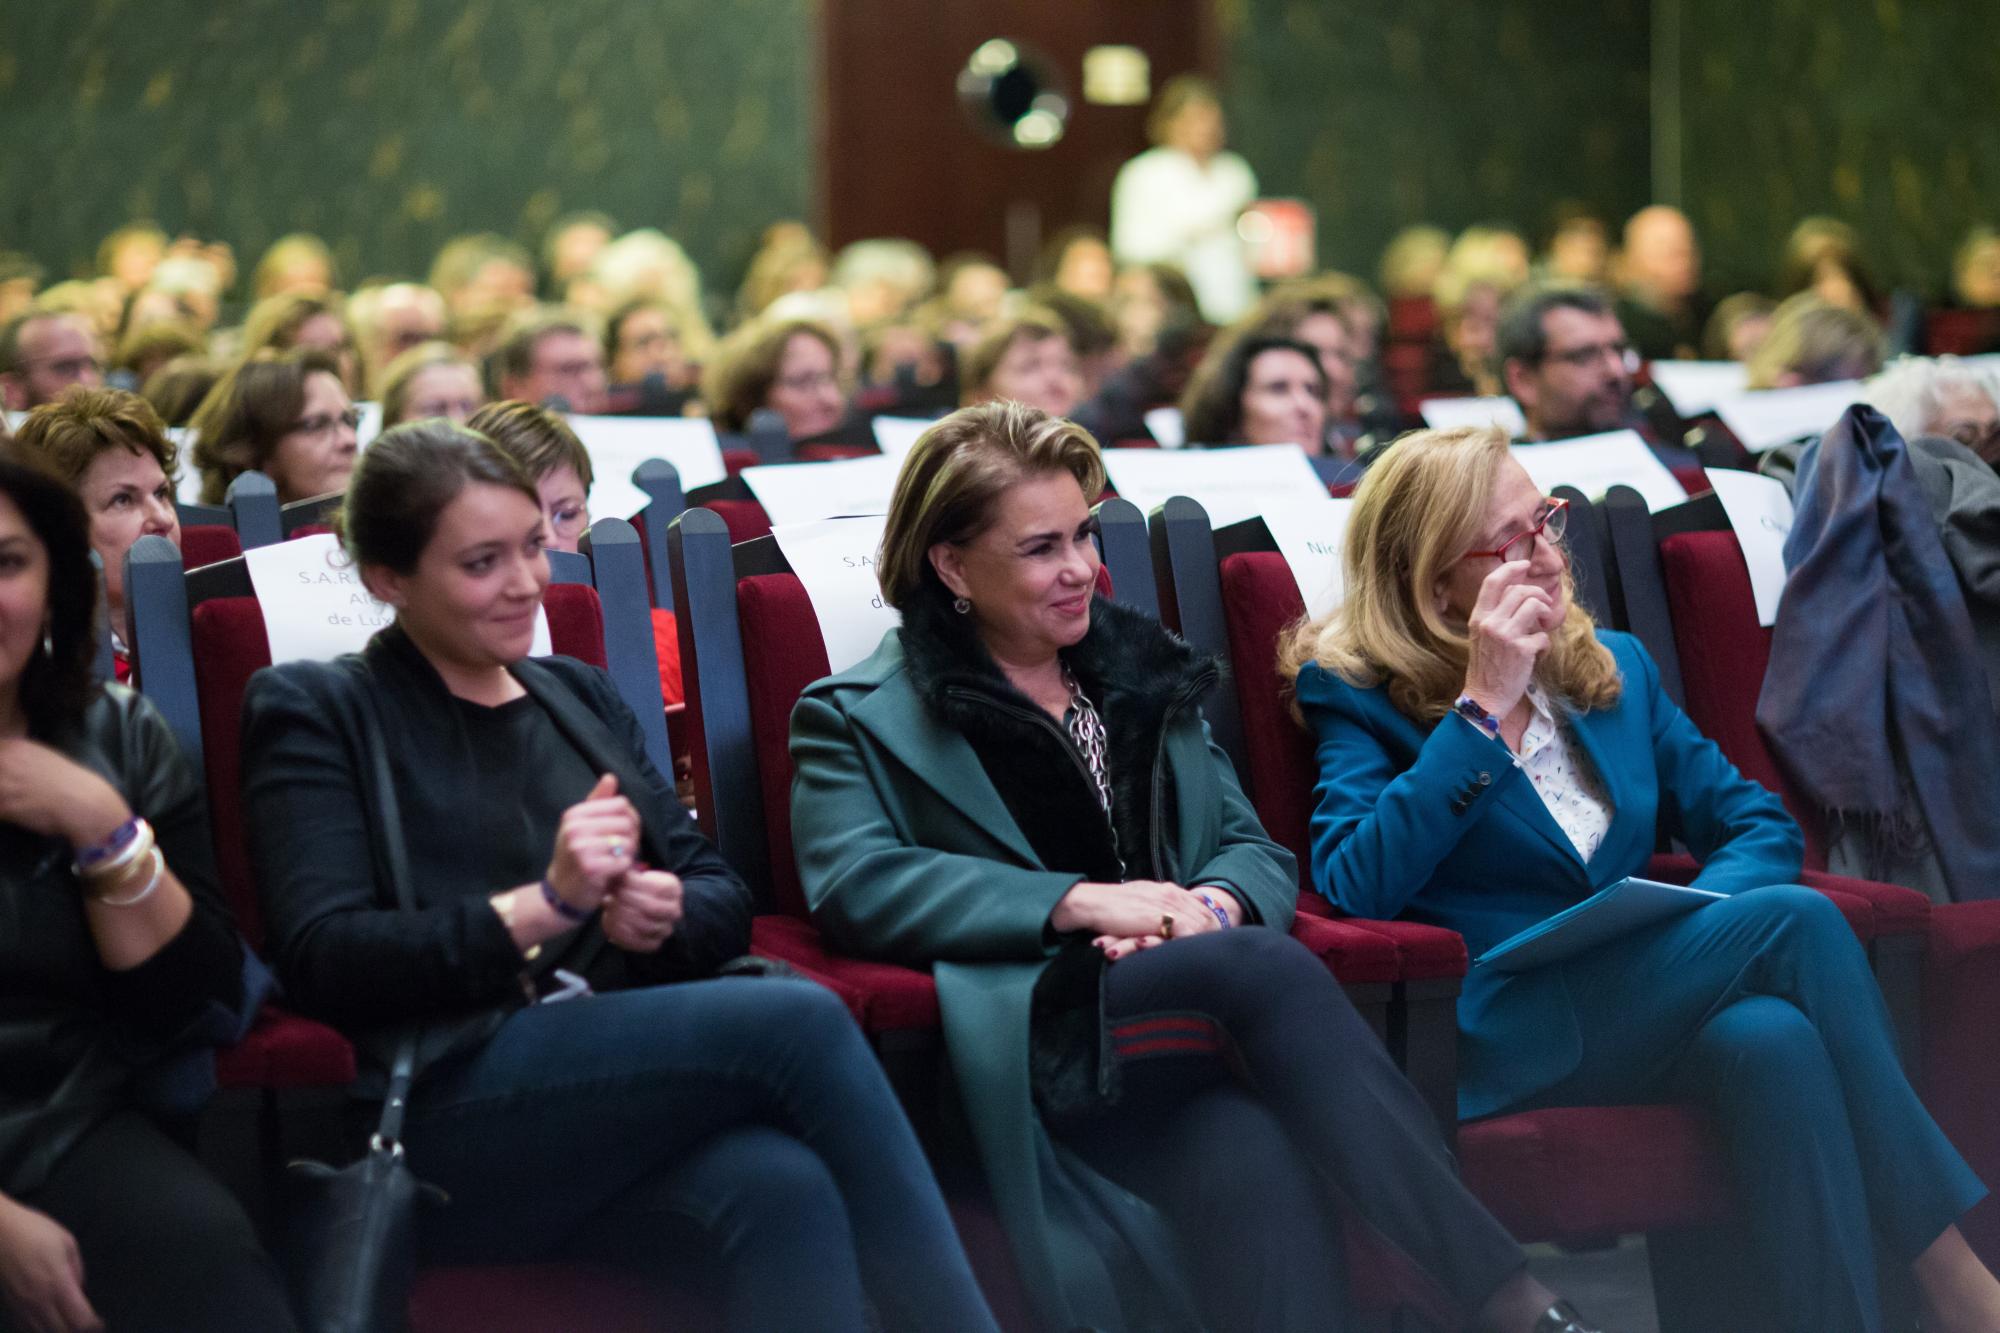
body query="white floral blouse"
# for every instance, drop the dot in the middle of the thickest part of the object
(1563, 776)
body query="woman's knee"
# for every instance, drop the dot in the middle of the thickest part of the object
(760, 1179)
(1763, 1043)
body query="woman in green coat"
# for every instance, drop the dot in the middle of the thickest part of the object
(1173, 1101)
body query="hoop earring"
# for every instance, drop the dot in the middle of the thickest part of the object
(961, 605)
(49, 642)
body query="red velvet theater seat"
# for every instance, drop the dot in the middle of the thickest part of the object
(746, 519)
(208, 544)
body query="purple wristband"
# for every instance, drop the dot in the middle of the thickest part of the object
(561, 906)
(120, 839)
(1221, 916)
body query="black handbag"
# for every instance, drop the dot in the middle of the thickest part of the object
(351, 1232)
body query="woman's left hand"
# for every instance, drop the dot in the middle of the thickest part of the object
(1197, 921)
(642, 910)
(49, 793)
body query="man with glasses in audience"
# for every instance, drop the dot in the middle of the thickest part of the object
(552, 360)
(43, 353)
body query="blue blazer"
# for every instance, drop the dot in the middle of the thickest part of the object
(1433, 822)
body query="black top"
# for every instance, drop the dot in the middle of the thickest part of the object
(342, 948)
(78, 1040)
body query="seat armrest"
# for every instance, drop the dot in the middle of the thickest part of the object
(884, 997)
(284, 1050)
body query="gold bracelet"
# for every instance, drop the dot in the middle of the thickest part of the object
(152, 884)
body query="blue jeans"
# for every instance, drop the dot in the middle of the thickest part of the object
(741, 1123)
(1761, 1008)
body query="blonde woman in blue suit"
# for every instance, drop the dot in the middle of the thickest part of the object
(1488, 757)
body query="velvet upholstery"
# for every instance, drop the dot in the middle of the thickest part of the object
(208, 544)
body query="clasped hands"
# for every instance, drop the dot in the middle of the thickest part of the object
(596, 866)
(1140, 914)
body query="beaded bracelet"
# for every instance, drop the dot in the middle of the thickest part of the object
(152, 883)
(1221, 916)
(561, 906)
(120, 839)
(117, 854)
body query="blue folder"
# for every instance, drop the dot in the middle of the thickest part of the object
(1605, 915)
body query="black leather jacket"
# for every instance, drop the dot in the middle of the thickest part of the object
(78, 1040)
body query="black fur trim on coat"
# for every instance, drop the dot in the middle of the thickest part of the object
(1136, 673)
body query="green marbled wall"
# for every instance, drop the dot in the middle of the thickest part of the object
(389, 125)
(1883, 112)
(1385, 112)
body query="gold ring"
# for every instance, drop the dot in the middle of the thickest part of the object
(1166, 926)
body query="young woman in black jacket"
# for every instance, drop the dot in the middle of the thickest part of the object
(568, 1098)
(119, 967)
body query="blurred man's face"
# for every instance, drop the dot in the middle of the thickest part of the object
(1661, 255)
(1583, 383)
(55, 353)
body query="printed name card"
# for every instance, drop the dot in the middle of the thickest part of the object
(315, 606)
(835, 560)
(896, 436)
(1231, 484)
(1169, 431)
(617, 445)
(1761, 512)
(1595, 463)
(187, 486)
(1311, 534)
(370, 424)
(808, 492)
(1762, 418)
(1444, 413)
(1693, 387)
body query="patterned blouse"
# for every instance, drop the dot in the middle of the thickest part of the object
(1563, 776)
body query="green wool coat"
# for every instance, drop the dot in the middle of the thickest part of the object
(908, 853)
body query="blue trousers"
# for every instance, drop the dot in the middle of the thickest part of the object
(739, 1124)
(1762, 1009)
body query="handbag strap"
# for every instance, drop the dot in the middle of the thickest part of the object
(402, 1069)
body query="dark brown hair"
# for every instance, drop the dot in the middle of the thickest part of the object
(238, 426)
(65, 437)
(536, 438)
(406, 478)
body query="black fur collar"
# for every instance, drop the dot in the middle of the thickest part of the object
(1136, 673)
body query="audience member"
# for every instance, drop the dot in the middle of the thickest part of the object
(1813, 341)
(144, 350)
(390, 320)
(284, 414)
(1254, 388)
(641, 340)
(20, 276)
(649, 264)
(430, 380)
(1940, 396)
(1179, 201)
(1738, 327)
(558, 466)
(1091, 335)
(1975, 269)
(299, 262)
(1823, 256)
(1660, 304)
(118, 965)
(1472, 725)
(1579, 249)
(791, 367)
(129, 255)
(44, 352)
(983, 796)
(483, 276)
(549, 356)
(674, 1120)
(1308, 313)
(111, 448)
(1147, 299)
(1413, 261)
(299, 319)
(1566, 362)
(571, 247)
(1077, 260)
(790, 260)
(971, 291)
(188, 289)
(883, 279)
(176, 389)
(1025, 359)
(1468, 298)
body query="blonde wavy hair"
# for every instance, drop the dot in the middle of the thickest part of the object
(1417, 511)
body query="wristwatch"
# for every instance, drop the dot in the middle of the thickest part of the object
(1472, 711)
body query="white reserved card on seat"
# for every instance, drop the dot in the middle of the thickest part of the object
(1693, 387)
(617, 445)
(1761, 418)
(187, 486)
(315, 606)
(835, 559)
(1168, 428)
(1232, 484)
(1501, 411)
(1761, 512)
(896, 436)
(808, 492)
(1595, 463)
(1310, 534)
(369, 426)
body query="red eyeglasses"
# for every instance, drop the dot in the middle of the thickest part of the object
(1551, 519)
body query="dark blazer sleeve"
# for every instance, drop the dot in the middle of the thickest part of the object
(201, 966)
(1379, 829)
(341, 947)
(715, 925)
(1736, 828)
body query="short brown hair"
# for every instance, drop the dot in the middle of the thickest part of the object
(1176, 96)
(948, 486)
(746, 365)
(1031, 325)
(276, 320)
(536, 438)
(396, 376)
(238, 426)
(65, 437)
(515, 357)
